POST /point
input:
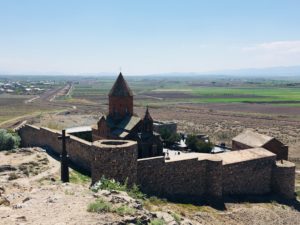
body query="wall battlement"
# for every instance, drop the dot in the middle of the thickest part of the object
(250, 171)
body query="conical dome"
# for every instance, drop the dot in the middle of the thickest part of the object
(120, 88)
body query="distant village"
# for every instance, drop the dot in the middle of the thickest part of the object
(24, 87)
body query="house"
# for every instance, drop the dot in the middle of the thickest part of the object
(249, 139)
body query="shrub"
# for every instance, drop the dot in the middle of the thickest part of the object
(176, 217)
(169, 137)
(111, 184)
(108, 184)
(99, 206)
(125, 210)
(197, 145)
(8, 140)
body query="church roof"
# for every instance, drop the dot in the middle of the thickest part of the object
(120, 88)
(124, 127)
(147, 115)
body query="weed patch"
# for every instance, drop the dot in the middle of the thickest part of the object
(107, 184)
(100, 206)
(78, 178)
(157, 222)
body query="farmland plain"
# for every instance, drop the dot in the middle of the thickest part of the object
(218, 106)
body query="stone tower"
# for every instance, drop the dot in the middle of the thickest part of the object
(120, 99)
(147, 126)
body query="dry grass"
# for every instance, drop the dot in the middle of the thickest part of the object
(179, 209)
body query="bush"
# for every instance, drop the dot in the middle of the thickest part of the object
(107, 184)
(8, 140)
(176, 217)
(169, 137)
(197, 145)
(124, 210)
(100, 206)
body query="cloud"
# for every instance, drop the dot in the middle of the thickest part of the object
(284, 47)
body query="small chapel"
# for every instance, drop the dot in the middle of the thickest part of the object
(122, 123)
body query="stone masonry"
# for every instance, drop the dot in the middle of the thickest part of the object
(249, 171)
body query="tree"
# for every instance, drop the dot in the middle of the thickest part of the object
(197, 145)
(169, 137)
(8, 140)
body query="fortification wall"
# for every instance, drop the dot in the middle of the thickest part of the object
(277, 148)
(248, 177)
(283, 179)
(30, 136)
(173, 178)
(214, 178)
(250, 171)
(115, 159)
(42, 137)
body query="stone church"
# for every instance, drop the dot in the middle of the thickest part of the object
(122, 123)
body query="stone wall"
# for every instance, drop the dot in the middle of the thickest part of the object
(179, 178)
(114, 161)
(274, 146)
(117, 157)
(120, 105)
(277, 148)
(78, 149)
(211, 177)
(43, 137)
(214, 178)
(248, 177)
(251, 171)
(283, 179)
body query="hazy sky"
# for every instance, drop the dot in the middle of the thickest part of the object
(147, 36)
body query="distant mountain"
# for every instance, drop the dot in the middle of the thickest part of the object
(269, 71)
(280, 71)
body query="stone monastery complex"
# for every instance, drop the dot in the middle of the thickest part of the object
(125, 147)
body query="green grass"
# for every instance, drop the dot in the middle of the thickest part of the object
(157, 222)
(176, 217)
(125, 210)
(236, 92)
(100, 206)
(222, 94)
(178, 209)
(78, 178)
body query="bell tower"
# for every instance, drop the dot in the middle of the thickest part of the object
(120, 99)
(147, 126)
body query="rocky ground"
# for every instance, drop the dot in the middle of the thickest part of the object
(31, 193)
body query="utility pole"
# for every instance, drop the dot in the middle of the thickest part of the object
(64, 158)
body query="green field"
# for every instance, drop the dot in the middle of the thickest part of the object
(268, 95)
(196, 90)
